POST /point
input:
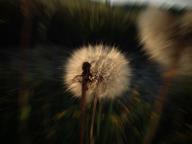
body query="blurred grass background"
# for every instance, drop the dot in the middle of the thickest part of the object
(59, 27)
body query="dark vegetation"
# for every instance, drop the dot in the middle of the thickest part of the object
(52, 114)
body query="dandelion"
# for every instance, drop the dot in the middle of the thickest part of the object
(110, 72)
(167, 38)
(96, 72)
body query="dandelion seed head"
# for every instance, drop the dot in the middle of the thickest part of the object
(155, 31)
(163, 36)
(109, 68)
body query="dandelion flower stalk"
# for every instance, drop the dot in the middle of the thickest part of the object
(166, 40)
(96, 72)
(93, 120)
(85, 78)
(158, 108)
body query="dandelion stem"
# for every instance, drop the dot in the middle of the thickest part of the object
(85, 79)
(158, 107)
(99, 115)
(83, 102)
(107, 119)
(93, 119)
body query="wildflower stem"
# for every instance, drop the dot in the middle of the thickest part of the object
(99, 115)
(83, 102)
(85, 79)
(93, 119)
(158, 107)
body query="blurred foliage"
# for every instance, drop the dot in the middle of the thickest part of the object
(73, 23)
(53, 114)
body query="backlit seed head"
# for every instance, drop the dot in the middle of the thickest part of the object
(167, 38)
(110, 71)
